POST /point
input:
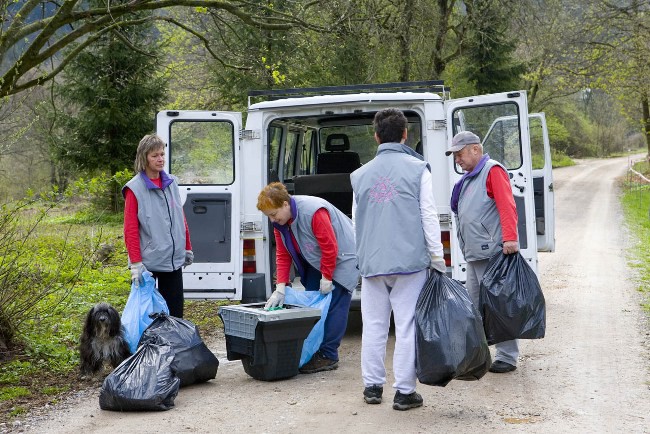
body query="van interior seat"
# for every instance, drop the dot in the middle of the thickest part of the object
(337, 158)
(336, 188)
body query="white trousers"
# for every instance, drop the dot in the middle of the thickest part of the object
(380, 295)
(507, 351)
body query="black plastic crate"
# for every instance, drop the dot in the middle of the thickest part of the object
(275, 352)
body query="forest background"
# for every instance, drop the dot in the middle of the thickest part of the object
(81, 81)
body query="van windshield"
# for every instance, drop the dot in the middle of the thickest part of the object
(327, 144)
(362, 138)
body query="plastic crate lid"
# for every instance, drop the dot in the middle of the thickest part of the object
(290, 311)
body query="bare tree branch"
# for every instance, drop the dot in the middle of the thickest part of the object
(72, 21)
(205, 41)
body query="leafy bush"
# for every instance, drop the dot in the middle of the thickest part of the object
(43, 362)
(36, 272)
(103, 192)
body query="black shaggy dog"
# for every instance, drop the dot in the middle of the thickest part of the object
(102, 339)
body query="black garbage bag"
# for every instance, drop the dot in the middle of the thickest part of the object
(144, 382)
(195, 362)
(450, 342)
(511, 300)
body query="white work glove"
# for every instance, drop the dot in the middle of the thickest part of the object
(136, 272)
(189, 258)
(277, 298)
(438, 264)
(326, 286)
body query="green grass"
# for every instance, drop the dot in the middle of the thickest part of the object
(7, 393)
(44, 361)
(560, 159)
(636, 206)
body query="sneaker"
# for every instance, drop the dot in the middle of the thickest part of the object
(501, 367)
(404, 402)
(372, 394)
(318, 363)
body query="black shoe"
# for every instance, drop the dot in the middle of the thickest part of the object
(318, 363)
(404, 402)
(372, 394)
(501, 367)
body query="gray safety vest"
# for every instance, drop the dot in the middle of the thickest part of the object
(389, 232)
(346, 272)
(479, 224)
(162, 224)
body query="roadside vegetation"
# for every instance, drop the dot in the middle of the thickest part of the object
(636, 204)
(39, 361)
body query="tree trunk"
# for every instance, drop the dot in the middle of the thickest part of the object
(405, 41)
(438, 63)
(646, 121)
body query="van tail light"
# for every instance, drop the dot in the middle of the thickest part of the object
(446, 246)
(249, 261)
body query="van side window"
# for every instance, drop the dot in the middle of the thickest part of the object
(202, 152)
(498, 128)
(536, 142)
(308, 154)
(290, 152)
(275, 140)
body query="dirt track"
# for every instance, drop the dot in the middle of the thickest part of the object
(589, 375)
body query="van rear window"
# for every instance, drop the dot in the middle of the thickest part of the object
(202, 152)
(498, 128)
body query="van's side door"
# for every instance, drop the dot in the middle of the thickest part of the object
(203, 153)
(501, 122)
(542, 183)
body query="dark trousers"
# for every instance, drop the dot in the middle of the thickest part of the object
(337, 315)
(170, 285)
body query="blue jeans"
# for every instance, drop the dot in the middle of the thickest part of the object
(337, 316)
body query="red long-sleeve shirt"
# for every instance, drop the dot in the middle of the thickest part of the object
(321, 226)
(132, 225)
(498, 188)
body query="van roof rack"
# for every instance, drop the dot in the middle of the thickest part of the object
(436, 86)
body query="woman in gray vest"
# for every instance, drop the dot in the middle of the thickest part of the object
(398, 239)
(318, 240)
(155, 231)
(487, 222)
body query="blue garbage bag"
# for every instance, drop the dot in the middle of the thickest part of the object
(316, 300)
(143, 300)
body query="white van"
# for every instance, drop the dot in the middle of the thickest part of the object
(311, 144)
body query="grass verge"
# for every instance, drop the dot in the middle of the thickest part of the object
(44, 361)
(636, 206)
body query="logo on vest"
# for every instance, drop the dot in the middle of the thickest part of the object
(485, 247)
(309, 246)
(383, 191)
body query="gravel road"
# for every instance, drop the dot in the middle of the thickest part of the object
(590, 374)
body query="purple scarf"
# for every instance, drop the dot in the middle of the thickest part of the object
(166, 180)
(285, 231)
(455, 194)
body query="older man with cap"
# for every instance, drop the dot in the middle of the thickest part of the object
(486, 222)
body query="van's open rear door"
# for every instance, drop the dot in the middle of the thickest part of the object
(501, 122)
(543, 183)
(202, 151)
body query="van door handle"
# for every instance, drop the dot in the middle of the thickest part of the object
(225, 225)
(520, 187)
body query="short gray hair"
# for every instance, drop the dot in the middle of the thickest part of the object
(150, 142)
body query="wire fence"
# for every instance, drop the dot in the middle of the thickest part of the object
(638, 182)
